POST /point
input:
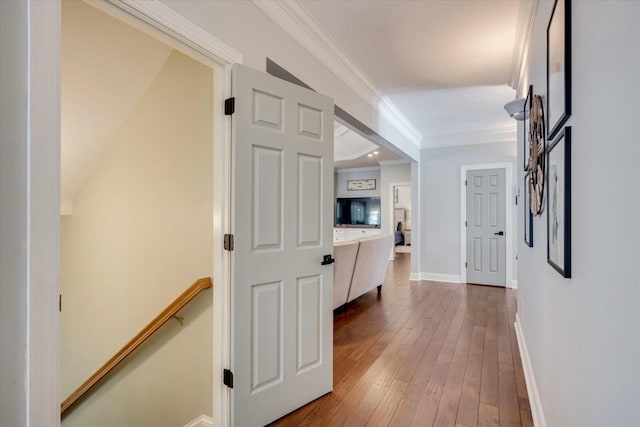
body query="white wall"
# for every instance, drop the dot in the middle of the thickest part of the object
(13, 217)
(140, 234)
(243, 26)
(440, 210)
(582, 333)
(341, 178)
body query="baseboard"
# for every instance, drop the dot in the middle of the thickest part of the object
(201, 421)
(449, 278)
(435, 277)
(513, 284)
(532, 388)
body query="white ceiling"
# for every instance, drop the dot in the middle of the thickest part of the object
(444, 64)
(107, 66)
(351, 150)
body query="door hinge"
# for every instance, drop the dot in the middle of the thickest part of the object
(228, 242)
(465, 182)
(60, 303)
(466, 265)
(229, 106)
(227, 378)
(465, 224)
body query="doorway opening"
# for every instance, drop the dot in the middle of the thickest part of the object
(402, 217)
(491, 210)
(144, 191)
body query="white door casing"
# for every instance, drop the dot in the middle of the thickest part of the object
(486, 219)
(282, 214)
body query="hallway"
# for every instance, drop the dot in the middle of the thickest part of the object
(427, 354)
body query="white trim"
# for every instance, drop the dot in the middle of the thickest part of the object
(174, 25)
(393, 162)
(391, 206)
(436, 277)
(509, 253)
(501, 133)
(532, 388)
(294, 19)
(43, 214)
(201, 421)
(163, 23)
(524, 31)
(513, 284)
(365, 169)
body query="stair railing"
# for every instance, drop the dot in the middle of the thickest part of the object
(171, 310)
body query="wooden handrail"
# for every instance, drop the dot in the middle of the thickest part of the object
(161, 319)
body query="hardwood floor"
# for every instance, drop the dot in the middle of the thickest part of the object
(423, 354)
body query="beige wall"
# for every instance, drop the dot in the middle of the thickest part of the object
(141, 232)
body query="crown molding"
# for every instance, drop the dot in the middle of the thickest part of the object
(524, 32)
(178, 27)
(294, 19)
(393, 162)
(495, 134)
(364, 169)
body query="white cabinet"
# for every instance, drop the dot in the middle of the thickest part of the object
(344, 234)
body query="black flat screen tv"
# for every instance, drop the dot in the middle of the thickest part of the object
(358, 211)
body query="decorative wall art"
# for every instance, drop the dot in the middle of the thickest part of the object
(536, 159)
(559, 203)
(361, 184)
(559, 67)
(527, 120)
(528, 217)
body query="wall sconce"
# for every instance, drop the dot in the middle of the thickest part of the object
(515, 108)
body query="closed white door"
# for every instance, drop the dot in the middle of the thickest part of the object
(486, 220)
(282, 214)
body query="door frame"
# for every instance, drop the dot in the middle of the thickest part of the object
(43, 337)
(509, 252)
(391, 206)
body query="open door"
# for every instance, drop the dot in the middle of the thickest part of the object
(282, 216)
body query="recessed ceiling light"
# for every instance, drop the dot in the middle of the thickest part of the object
(375, 153)
(369, 155)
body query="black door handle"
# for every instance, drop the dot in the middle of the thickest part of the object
(327, 259)
(499, 233)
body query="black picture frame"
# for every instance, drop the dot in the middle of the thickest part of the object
(526, 140)
(528, 216)
(558, 67)
(559, 203)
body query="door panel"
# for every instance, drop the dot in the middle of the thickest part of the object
(486, 216)
(282, 211)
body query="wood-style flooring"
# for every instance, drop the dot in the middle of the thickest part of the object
(423, 354)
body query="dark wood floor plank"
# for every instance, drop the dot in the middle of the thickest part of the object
(423, 354)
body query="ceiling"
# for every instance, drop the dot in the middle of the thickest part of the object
(351, 150)
(106, 68)
(444, 64)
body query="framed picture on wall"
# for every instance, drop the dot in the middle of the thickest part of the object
(526, 140)
(361, 184)
(528, 216)
(559, 203)
(558, 67)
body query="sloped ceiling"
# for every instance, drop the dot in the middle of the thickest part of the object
(421, 53)
(106, 67)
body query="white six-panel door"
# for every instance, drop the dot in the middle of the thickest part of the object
(486, 219)
(282, 212)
